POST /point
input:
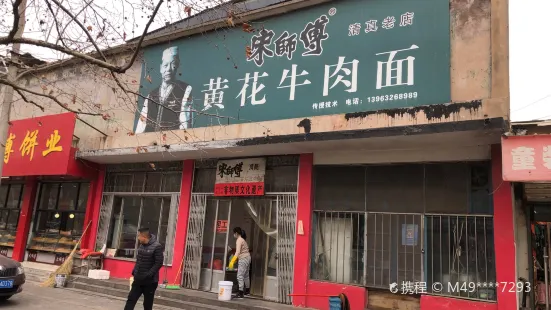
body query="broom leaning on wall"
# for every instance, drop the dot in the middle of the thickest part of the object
(67, 267)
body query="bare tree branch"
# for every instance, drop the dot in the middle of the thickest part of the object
(138, 46)
(28, 100)
(16, 17)
(83, 56)
(75, 16)
(81, 27)
(56, 23)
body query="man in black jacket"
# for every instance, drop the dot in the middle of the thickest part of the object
(146, 271)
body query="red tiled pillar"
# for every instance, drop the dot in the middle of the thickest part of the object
(181, 225)
(93, 207)
(25, 216)
(304, 215)
(504, 233)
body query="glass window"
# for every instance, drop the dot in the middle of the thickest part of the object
(171, 182)
(59, 221)
(151, 213)
(67, 196)
(460, 249)
(10, 203)
(123, 183)
(3, 194)
(14, 196)
(138, 182)
(48, 196)
(208, 235)
(163, 230)
(130, 214)
(153, 182)
(83, 196)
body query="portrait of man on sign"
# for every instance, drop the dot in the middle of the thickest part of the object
(169, 106)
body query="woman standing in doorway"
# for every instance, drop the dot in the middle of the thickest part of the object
(241, 253)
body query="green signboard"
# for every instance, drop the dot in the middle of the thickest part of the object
(340, 57)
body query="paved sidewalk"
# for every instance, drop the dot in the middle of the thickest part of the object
(38, 298)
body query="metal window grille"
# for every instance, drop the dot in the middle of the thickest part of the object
(394, 246)
(339, 247)
(376, 249)
(460, 256)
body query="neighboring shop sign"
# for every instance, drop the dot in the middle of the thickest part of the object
(39, 145)
(240, 177)
(221, 226)
(526, 158)
(59, 259)
(339, 57)
(32, 256)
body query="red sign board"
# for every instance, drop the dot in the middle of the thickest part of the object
(239, 189)
(39, 146)
(221, 226)
(526, 158)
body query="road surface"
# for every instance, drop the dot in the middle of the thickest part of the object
(34, 297)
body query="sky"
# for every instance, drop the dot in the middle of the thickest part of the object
(530, 69)
(122, 17)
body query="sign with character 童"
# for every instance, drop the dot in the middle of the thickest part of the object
(240, 177)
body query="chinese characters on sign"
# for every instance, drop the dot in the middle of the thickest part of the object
(527, 158)
(340, 57)
(29, 142)
(388, 22)
(244, 177)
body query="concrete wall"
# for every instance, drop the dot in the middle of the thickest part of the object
(479, 89)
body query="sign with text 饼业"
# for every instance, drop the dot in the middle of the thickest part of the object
(240, 177)
(526, 158)
(39, 145)
(334, 58)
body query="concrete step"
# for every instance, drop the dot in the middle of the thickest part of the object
(110, 292)
(35, 278)
(188, 299)
(37, 275)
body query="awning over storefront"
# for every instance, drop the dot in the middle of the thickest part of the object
(42, 146)
(454, 141)
(526, 158)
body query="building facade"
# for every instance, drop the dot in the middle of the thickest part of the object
(356, 142)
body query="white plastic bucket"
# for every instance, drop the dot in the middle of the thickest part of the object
(224, 290)
(60, 280)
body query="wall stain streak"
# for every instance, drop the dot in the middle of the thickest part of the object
(306, 124)
(432, 112)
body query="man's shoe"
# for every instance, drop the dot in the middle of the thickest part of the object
(239, 295)
(247, 291)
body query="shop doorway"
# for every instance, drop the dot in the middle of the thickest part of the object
(269, 223)
(539, 240)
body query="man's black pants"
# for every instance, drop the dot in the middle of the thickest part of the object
(148, 291)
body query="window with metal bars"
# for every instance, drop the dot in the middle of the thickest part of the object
(372, 224)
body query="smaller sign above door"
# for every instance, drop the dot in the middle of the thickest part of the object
(240, 177)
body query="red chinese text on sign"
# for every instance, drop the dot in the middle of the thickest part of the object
(526, 158)
(240, 177)
(39, 146)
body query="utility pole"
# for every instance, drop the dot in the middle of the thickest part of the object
(12, 77)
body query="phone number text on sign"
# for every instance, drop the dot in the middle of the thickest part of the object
(383, 98)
